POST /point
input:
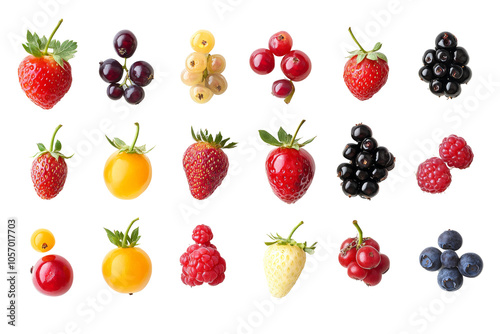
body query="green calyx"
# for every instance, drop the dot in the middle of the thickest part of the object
(284, 139)
(362, 54)
(54, 150)
(279, 240)
(121, 240)
(123, 147)
(217, 142)
(39, 47)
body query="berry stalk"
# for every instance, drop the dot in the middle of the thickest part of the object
(356, 41)
(289, 97)
(54, 137)
(50, 38)
(295, 135)
(360, 234)
(296, 227)
(131, 150)
(125, 237)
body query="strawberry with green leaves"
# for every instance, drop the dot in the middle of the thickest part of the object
(205, 163)
(366, 72)
(45, 76)
(49, 169)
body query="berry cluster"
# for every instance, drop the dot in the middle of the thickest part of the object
(202, 263)
(362, 258)
(203, 70)
(139, 75)
(445, 67)
(433, 175)
(368, 164)
(451, 267)
(295, 64)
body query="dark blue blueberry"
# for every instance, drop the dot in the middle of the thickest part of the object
(450, 240)
(450, 279)
(430, 259)
(449, 259)
(470, 265)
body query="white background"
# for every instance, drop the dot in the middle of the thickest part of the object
(404, 116)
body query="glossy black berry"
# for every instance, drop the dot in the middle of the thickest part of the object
(362, 174)
(114, 91)
(452, 89)
(446, 40)
(369, 189)
(369, 144)
(460, 56)
(443, 56)
(439, 70)
(134, 94)
(364, 160)
(391, 164)
(141, 73)
(437, 87)
(125, 43)
(456, 72)
(425, 73)
(351, 151)
(350, 188)
(345, 171)
(429, 57)
(360, 132)
(382, 156)
(379, 174)
(110, 70)
(466, 75)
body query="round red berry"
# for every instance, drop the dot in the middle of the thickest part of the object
(346, 257)
(262, 61)
(368, 257)
(373, 278)
(384, 264)
(455, 152)
(355, 271)
(280, 43)
(433, 175)
(371, 242)
(296, 65)
(202, 234)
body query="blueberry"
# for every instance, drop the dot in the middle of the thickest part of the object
(430, 259)
(470, 265)
(450, 279)
(450, 240)
(449, 259)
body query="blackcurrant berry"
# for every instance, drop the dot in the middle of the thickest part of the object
(437, 87)
(114, 91)
(392, 163)
(460, 56)
(369, 189)
(134, 94)
(439, 70)
(364, 160)
(369, 144)
(125, 43)
(350, 188)
(351, 151)
(362, 174)
(425, 73)
(110, 70)
(429, 57)
(446, 40)
(443, 56)
(456, 72)
(379, 174)
(452, 89)
(382, 156)
(345, 171)
(466, 75)
(360, 132)
(141, 73)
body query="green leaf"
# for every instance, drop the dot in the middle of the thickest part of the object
(360, 57)
(135, 234)
(58, 60)
(372, 56)
(210, 139)
(58, 146)
(282, 135)
(268, 138)
(65, 51)
(41, 147)
(307, 141)
(194, 135)
(231, 145)
(381, 56)
(111, 142)
(119, 143)
(377, 46)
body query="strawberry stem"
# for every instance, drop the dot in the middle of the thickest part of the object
(54, 137)
(131, 150)
(125, 237)
(293, 231)
(295, 135)
(355, 40)
(360, 234)
(50, 38)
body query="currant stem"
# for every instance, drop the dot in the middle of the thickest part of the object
(289, 97)
(50, 38)
(124, 242)
(355, 40)
(296, 132)
(131, 150)
(293, 231)
(53, 137)
(360, 234)
(126, 75)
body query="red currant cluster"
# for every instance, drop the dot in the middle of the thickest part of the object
(362, 258)
(202, 263)
(295, 64)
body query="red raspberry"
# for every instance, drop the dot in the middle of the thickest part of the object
(455, 152)
(433, 175)
(202, 234)
(201, 264)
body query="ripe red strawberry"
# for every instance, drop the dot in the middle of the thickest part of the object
(366, 72)
(49, 169)
(45, 76)
(205, 163)
(290, 168)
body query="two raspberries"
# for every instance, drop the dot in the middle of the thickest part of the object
(202, 263)
(433, 175)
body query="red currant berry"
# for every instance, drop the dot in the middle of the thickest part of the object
(372, 278)
(296, 65)
(282, 88)
(280, 43)
(262, 61)
(384, 264)
(371, 242)
(52, 275)
(347, 242)
(368, 257)
(355, 271)
(345, 258)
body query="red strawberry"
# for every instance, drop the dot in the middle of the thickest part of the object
(45, 76)
(205, 163)
(366, 72)
(290, 168)
(49, 169)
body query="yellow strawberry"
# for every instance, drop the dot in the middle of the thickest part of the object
(283, 262)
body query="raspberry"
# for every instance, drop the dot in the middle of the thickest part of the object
(455, 152)
(201, 264)
(202, 234)
(433, 175)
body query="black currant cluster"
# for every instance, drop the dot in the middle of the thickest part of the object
(445, 68)
(369, 164)
(452, 268)
(139, 75)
